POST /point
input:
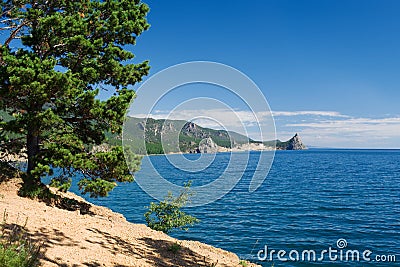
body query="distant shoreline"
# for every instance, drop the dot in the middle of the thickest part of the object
(275, 150)
(19, 159)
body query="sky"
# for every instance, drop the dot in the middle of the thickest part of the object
(328, 69)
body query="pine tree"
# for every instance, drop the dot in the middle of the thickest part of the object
(56, 57)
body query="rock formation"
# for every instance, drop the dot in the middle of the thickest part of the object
(207, 145)
(295, 143)
(179, 136)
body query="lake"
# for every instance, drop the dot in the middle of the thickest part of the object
(309, 200)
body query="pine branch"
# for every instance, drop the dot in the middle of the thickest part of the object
(15, 32)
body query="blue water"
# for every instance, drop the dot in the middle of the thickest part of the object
(309, 200)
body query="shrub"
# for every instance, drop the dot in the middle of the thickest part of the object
(16, 248)
(174, 248)
(40, 192)
(168, 215)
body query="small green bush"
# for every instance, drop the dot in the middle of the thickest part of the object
(16, 248)
(35, 191)
(174, 248)
(168, 215)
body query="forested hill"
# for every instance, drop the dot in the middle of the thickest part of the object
(145, 137)
(190, 135)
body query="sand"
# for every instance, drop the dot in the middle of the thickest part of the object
(102, 237)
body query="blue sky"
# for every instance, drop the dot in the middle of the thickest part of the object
(329, 69)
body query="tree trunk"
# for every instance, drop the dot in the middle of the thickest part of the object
(32, 145)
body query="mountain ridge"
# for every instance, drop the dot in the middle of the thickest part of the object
(158, 136)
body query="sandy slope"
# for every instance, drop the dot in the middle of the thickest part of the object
(103, 238)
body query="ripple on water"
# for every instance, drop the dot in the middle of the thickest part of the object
(309, 200)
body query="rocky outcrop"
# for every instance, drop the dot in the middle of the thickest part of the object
(207, 145)
(184, 136)
(295, 143)
(192, 129)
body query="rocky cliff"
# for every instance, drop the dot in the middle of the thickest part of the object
(191, 138)
(208, 146)
(295, 143)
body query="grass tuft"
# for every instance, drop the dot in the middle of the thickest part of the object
(16, 247)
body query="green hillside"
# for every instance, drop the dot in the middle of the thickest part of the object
(145, 136)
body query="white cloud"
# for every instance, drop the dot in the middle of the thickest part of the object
(351, 132)
(384, 126)
(207, 117)
(309, 112)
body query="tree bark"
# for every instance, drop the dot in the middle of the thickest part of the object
(32, 146)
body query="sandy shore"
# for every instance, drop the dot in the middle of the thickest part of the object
(102, 237)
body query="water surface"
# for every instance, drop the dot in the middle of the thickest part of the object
(309, 200)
